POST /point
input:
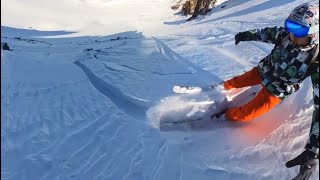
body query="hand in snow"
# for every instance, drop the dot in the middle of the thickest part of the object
(307, 162)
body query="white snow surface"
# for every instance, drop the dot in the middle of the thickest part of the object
(88, 82)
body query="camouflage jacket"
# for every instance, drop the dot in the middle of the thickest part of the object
(285, 68)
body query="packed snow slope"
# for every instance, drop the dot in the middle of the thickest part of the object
(83, 95)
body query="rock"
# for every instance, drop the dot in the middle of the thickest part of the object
(188, 7)
(177, 6)
(5, 46)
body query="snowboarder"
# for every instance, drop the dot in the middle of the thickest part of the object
(293, 59)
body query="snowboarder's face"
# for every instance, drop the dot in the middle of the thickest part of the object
(303, 41)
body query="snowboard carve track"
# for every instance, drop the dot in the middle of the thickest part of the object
(130, 106)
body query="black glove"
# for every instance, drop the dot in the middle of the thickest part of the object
(307, 161)
(296, 87)
(239, 37)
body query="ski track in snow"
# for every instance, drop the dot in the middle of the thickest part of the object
(89, 107)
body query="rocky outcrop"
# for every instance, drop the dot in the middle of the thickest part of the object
(188, 7)
(5, 46)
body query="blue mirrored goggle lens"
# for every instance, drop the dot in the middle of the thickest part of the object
(297, 30)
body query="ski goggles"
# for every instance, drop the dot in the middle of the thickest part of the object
(296, 29)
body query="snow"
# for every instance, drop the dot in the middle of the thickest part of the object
(88, 82)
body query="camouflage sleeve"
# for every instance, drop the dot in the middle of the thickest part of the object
(313, 143)
(268, 35)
